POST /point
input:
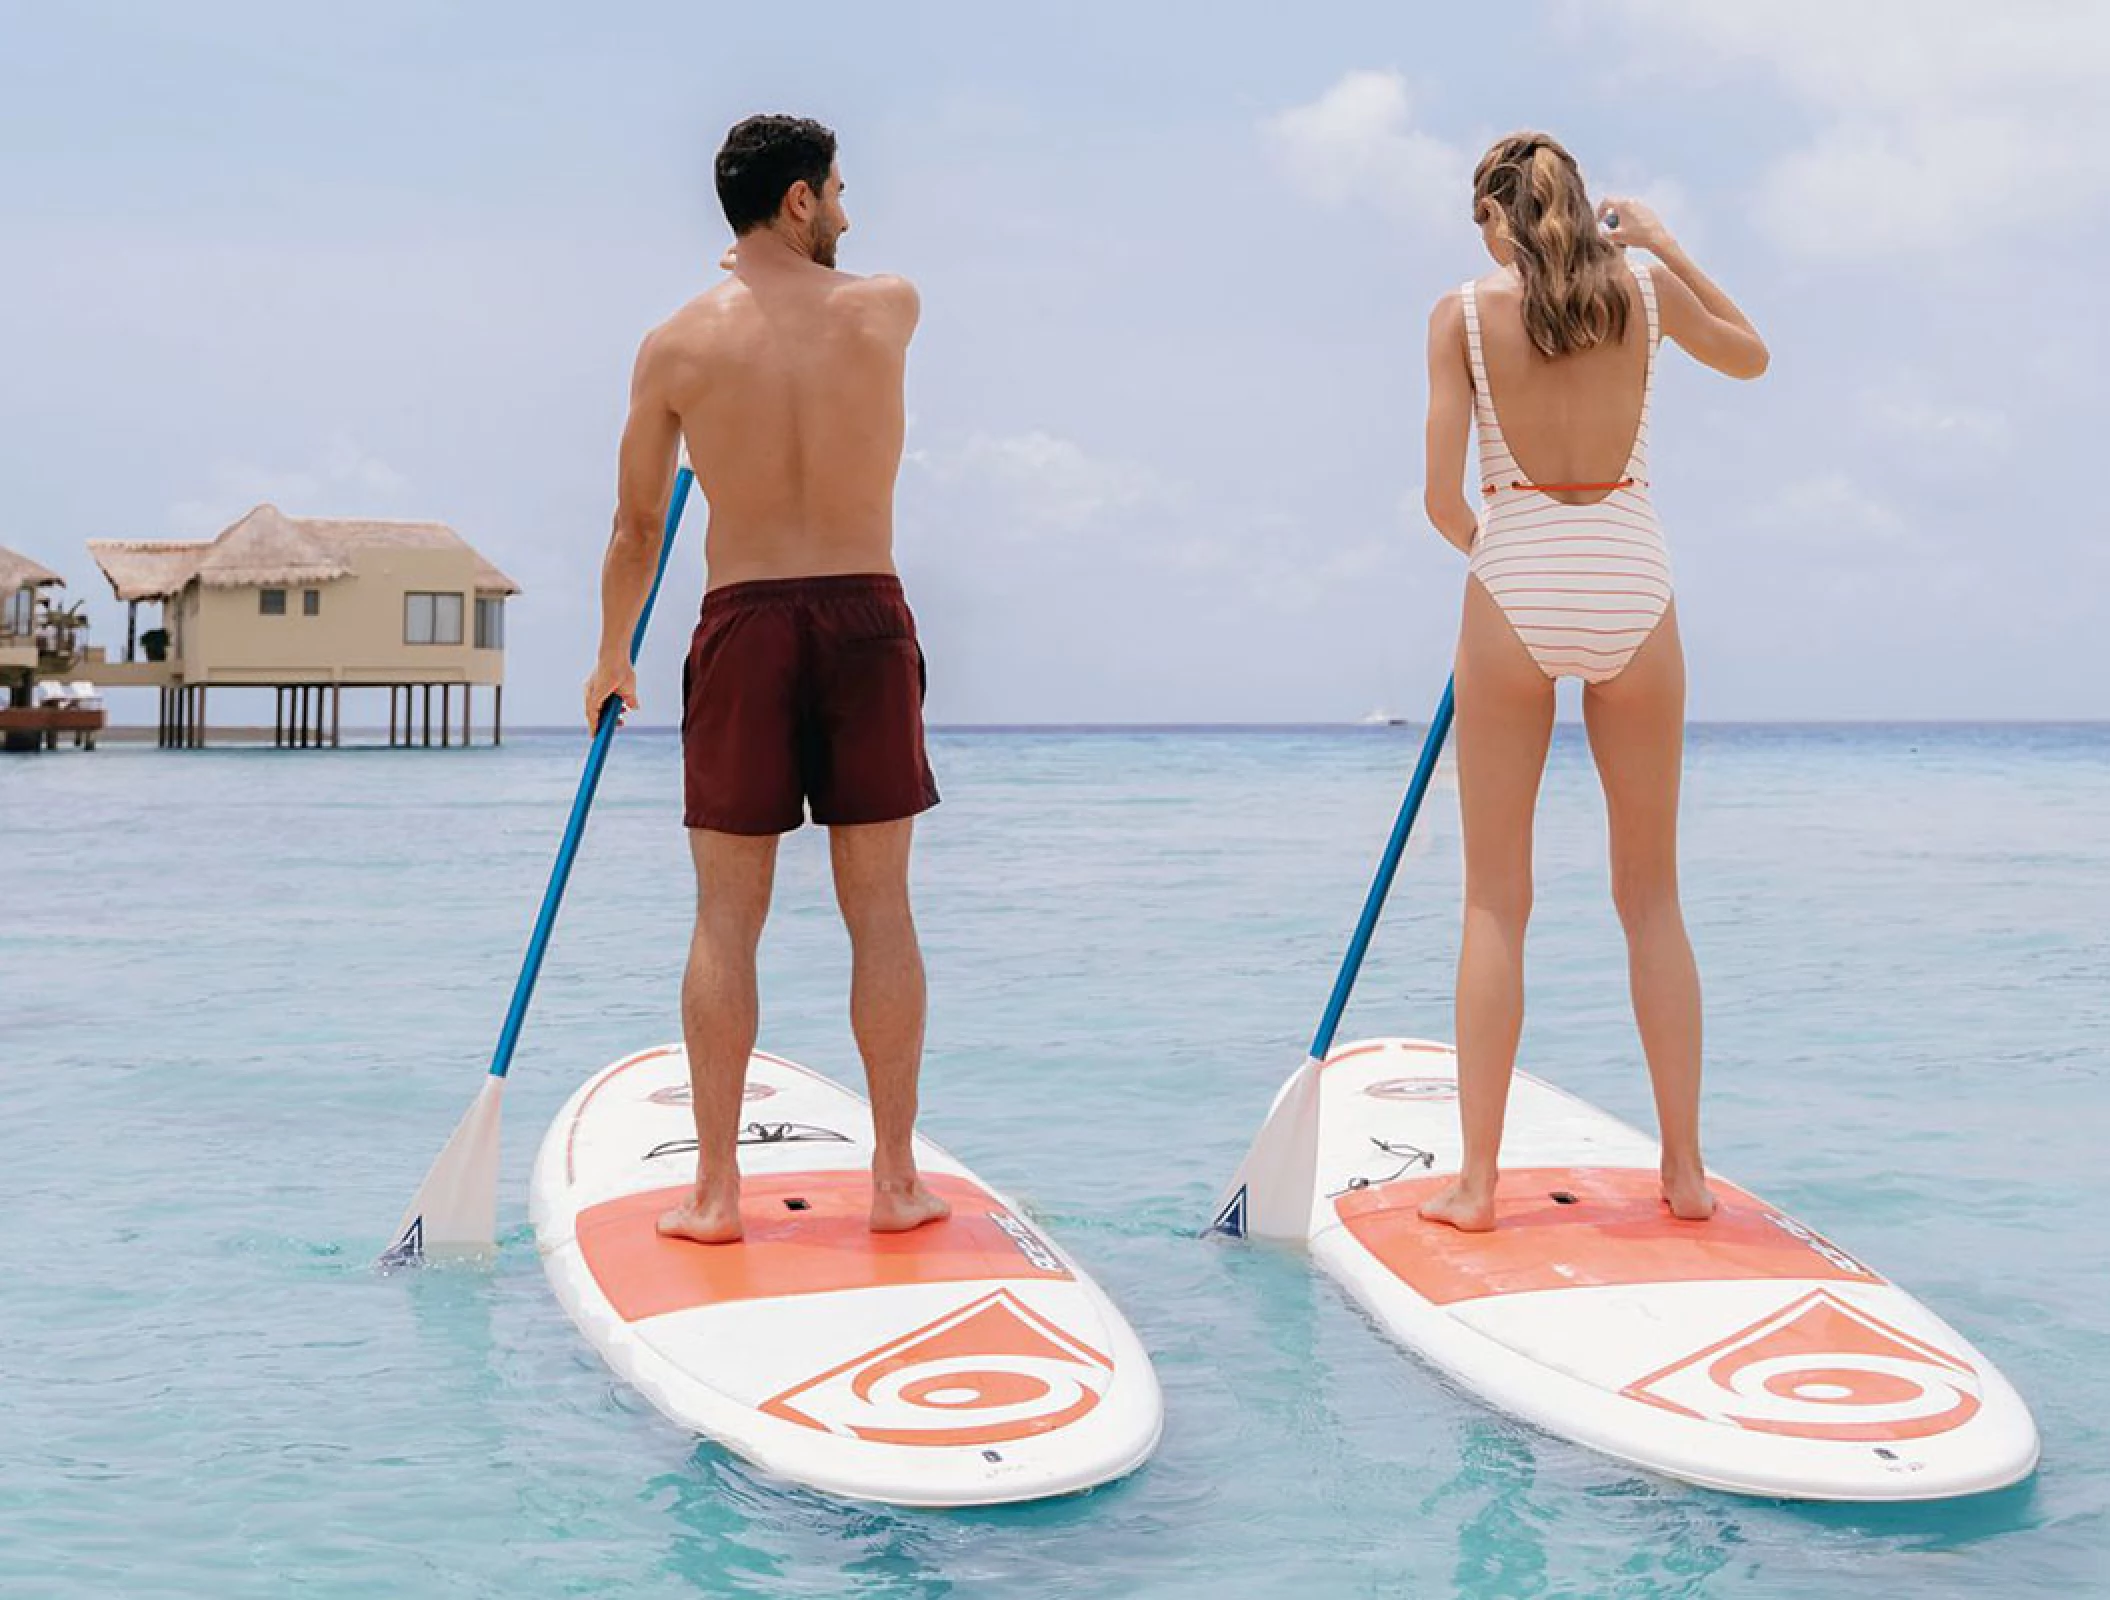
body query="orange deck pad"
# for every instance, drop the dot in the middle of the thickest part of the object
(1618, 1231)
(825, 1246)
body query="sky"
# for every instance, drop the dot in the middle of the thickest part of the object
(1164, 459)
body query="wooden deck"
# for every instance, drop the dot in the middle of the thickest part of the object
(39, 727)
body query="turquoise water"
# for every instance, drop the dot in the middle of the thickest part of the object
(245, 994)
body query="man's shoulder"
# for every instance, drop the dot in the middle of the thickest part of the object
(874, 283)
(691, 325)
(886, 290)
(885, 305)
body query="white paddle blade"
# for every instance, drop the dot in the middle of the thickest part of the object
(455, 1212)
(1272, 1195)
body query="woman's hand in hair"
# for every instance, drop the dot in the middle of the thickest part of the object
(1627, 221)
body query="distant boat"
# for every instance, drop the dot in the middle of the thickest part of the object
(1381, 718)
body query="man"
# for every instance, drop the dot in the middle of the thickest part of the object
(804, 681)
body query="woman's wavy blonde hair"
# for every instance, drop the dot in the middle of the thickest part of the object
(1574, 283)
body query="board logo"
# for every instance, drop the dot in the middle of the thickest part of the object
(758, 1133)
(1819, 1368)
(677, 1094)
(991, 1371)
(1823, 1246)
(1413, 1089)
(1030, 1244)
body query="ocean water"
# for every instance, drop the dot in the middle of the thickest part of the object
(244, 994)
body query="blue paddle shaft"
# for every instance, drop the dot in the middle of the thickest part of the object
(582, 802)
(1387, 868)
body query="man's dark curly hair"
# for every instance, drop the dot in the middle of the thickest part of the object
(760, 161)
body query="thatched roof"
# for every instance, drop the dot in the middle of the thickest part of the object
(342, 534)
(147, 569)
(268, 549)
(19, 572)
(489, 580)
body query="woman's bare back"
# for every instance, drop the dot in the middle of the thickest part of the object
(1568, 419)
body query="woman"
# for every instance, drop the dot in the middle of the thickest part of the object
(1568, 577)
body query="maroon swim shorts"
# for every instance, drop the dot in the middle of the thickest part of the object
(798, 690)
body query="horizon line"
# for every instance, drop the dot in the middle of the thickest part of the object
(1411, 724)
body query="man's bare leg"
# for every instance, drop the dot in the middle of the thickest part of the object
(886, 1011)
(720, 1011)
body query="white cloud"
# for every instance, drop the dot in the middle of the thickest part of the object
(1357, 142)
(1042, 481)
(345, 481)
(1940, 121)
(1906, 410)
(1823, 508)
(1277, 566)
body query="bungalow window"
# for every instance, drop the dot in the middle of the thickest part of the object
(311, 602)
(432, 618)
(19, 615)
(490, 623)
(271, 602)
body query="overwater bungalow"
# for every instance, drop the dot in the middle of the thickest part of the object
(44, 652)
(309, 607)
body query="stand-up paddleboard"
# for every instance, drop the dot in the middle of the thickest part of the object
(970, 1362)
(1745, 1353)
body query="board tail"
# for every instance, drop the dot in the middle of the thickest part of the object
(455, 1211)
(1272, 1194)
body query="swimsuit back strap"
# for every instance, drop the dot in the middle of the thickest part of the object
(1472, 341)
(1645, 278)
(1637, 459)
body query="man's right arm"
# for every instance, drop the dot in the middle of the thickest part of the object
(644, 478)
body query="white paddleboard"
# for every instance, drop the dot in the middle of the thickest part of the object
(970, 1362)
(1745, 1353)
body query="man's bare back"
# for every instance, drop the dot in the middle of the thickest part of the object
(787, 380)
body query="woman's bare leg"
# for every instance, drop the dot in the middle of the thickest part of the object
(1637, 734)
(1505, 720)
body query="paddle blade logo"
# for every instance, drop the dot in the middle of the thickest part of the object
(1819, 1368)
(992, 1371)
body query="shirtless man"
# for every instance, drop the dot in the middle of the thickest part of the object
(804, 681)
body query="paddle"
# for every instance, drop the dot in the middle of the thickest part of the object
(455, 1210)
(1270, 1196)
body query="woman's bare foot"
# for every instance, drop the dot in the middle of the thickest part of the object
(706, 1217)
(898, 1207)
(1468, 1207)
(1685, 1191)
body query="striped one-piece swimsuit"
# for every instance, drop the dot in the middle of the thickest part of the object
(1583, 585)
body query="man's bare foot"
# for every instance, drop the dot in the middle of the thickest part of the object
(704, 1219)
(899, 1207)
(1685, 1191)
(1470, 1208)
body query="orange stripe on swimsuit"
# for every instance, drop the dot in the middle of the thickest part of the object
(1583, 585)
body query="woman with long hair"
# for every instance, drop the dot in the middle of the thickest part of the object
(1567, 577)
